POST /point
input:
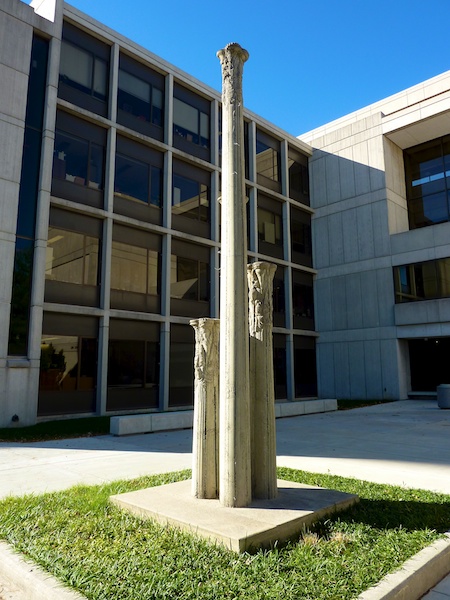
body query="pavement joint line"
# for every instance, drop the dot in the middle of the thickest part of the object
(412, 581)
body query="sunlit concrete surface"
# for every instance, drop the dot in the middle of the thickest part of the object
(404, 443)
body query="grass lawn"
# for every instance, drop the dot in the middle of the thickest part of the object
(54, 430)
(110, 555)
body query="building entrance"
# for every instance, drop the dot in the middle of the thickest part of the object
(429, 360)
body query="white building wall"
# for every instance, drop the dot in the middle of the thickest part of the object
(18, 378)
(360, 231)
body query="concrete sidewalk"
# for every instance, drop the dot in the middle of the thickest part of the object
(404, 443)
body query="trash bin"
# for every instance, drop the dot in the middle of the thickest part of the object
(443, 395)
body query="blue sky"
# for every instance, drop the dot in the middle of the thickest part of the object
(310, 62)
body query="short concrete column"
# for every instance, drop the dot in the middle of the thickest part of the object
(205, 445)
(262, 390)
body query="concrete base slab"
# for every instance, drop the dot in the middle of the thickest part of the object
(261, 524)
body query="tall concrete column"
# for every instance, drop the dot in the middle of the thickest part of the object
(262, 390)
(205, 447)
(235, 461)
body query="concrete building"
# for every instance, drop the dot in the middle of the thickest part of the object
(380, 188)
(109, 226)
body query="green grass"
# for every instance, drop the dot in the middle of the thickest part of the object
(53, 430)
(107, 554)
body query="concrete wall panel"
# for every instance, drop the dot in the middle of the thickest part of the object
(354, 301)
(320, 242)
(325, 375)
(357, 370)
(323, 304)
(349, 229)
(372, 360)
(335, 239)
(369, 299)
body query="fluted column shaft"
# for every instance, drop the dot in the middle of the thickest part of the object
(205, 445)
(235, 461)
(262, 390)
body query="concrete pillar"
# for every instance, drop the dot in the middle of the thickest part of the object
(235, 474)
(262, 389)
(205, 445)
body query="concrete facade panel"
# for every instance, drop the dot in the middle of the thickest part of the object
(318, 183)
(386, 297)
(14, 97)
(382, 246)
(320, 242)
(372, 360)
(342, 370)
(325, 374)
(369, 299)
(354, 301)
(323, 304)
(349, 228)
(9, 201)
(357, 370)
(15, 43)
(332, 179)
(335, 239)
(365, 233)
(10, 151)
(389, 369)
(339, 303)
(346, 176)
(21, 386)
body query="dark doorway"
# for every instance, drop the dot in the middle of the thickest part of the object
(429, 362)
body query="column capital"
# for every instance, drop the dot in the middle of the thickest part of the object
(232, 59)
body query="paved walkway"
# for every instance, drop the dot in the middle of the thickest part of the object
(404, 443)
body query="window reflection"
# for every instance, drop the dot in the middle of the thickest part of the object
(422, 281)
(140, 98)
(190, 198)
(68, 363)
(189, 279)
(78, 161)
(134, 269)
(190, 123)
(83, 70)
(71, 257)
(302, 300)
(427, 177)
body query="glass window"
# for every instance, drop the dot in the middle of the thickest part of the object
(83, 70)
(68, 368)
(68, 363)
(298, 176)
(427, 168)
(305, 371)
(270, 227)
(77, 160)
(268, 161)
(21, 297)
(302, 300)
(190, 123)
(422, 281)
(301, 245)
(279, 298)
(190, 198)
(279, 365)
(133, 365)
(71, 257)
(181, 366)
(189, 279)
(135, 270)
(140, 99)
